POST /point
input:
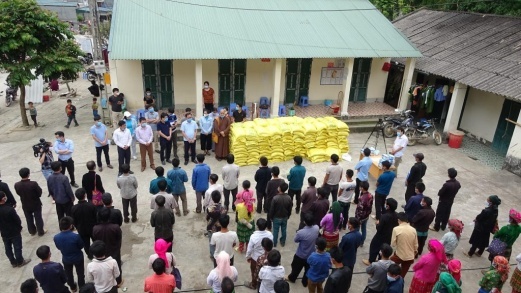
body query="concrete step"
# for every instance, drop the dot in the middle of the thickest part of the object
(357, 125)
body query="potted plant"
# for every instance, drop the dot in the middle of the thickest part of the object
(291, 111)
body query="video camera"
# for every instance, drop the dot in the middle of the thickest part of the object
(42, 145)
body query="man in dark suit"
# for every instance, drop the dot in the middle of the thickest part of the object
(10, 198)
(415, 175)
(111, 235)
(30, 193)
(84, 214)
(116, 217)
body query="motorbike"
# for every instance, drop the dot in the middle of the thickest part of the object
(391, 123)
(10, 95)
(86, 59)
(424, 129)
(91, 74)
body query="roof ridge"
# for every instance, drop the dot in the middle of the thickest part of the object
(467, 12)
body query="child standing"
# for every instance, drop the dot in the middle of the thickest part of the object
(70, 110)
(95, 107)
(319, 265)
(244, 209)
(33, 113)
(271, 273)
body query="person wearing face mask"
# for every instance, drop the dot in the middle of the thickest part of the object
(116, 102)
(152, 119)
(238, 114)
(221, 127)
(422, 220)
(394, 279)
(165, 139)
(149, 100)
(339, 281)
(208, 94)
(189, 131)
(145, 136)
(400, 144)
(123, 140)
(206, 125)
(484, 225)
(414, 203)
(131, 126)
(384, 230)
(100, 137)
(378, 271)
(64, 148)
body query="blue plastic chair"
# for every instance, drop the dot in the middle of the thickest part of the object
(140, 113)
(264, 101)
(282, 110)
(245, 109)
(233, 106)
(304, 101)
(264, 113)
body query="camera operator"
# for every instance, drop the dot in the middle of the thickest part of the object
(46, 158)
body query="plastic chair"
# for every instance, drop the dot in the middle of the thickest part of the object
(233, 106)
(140, 113)
(264, 101)
(245, 109)
(282, 110)
(264, 113)
(304, 101)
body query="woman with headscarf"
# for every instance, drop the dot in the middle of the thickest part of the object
(331, 224)
(509, 233)
(483, 226)
(454, 268)
(496, 276)
(223, 269)
(244, 207)
(515, 280)
(424, 278)
(446, 284)
(451, 239)
(161, 247)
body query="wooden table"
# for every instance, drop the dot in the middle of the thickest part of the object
(376, 171)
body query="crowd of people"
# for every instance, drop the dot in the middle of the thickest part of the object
(327, 239)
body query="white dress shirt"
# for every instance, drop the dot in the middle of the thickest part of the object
(208, 194)
(255, 249)
(122, 138)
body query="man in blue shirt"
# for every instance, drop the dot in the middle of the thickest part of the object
(350, 242)
(70, 245)
(319, 265)
(305, 238)
(362, 167)
(383, 188)
(49, 274)
(178, 177)
(200, 177)
(160, 172)
(100, 137)
(189, 131)
(64, 148)
(413, 206)
(206, 125)
(296, 180)
(60, 190)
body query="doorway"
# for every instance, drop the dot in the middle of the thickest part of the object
(232, 78)
(505, 129)
(158, 76)
(298, 72)
(360, 79)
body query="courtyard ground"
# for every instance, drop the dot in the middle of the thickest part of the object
(191, 247)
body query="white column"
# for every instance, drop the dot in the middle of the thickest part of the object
(277, 83)
(406, 83)
(198, 89)
(455, 107)
(348, 76)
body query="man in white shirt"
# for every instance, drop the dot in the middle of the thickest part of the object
(400, 144)
(231, 181)
(347, 192)
(170, 202)
(255, 250)
(224, 240)
(213, 186)
(103, 271)
(123, 139)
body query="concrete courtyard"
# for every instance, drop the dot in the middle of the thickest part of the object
(191, 247)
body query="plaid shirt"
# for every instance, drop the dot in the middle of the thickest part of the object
(46, 165)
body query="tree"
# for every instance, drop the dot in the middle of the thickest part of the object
(35, 42)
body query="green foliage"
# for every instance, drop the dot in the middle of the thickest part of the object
(34, 42)
(104, 30)
(80, 17)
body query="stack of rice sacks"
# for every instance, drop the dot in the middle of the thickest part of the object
(280, 139)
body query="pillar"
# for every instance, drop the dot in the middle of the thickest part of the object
(455, 107)
(406, 83)
(199, 89)
(348, 76)
(277, 83)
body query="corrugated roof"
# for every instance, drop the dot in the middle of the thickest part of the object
(479, 50)
(56, 3)
(251, 29)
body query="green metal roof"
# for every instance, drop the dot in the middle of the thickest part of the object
(56, 3)
(251, 29)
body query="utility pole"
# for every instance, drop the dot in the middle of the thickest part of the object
(93, 8)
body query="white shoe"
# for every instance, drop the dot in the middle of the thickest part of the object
(134, 157)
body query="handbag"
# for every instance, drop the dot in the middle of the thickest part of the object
(497, 247)
(177, 275)
(96, 194)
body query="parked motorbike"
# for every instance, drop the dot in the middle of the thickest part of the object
(391, 123)
(10, 95)
(424, 129)
(86, 59)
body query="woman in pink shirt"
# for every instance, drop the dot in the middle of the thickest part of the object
(331, 224)
(424, 277)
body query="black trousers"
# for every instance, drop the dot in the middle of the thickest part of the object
(334, 191)
(473, 248)
(208, 107)
(345, 212)
(227, 197)
(80, 271)
(133, 207)
(86, 237)
(374, 249)
(296, 267)
(409, 192)
(174, 142)
(165, 149)
(69, 165)
(105, 150)
(296, 193)
(442, 215)
(32, 218)
(123, 157)
(63, 209)
(421, 243)
(379, 204)
(206, 142)
(357, 189)
(191, 147)
(261, 196)
(117, 257)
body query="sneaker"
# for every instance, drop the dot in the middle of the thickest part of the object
(134, 220)
(110, 166)
(26, 261)
(366, 262)
(157, 151)
(169, 161)
(194, 161)
(163, 163)
(186, 163)
(75, 185)
(134, 158)
(76, 125)
(432, 229)
(44, 231)
(127, 220)
(186, 213)
(66, 126)
(178, 214)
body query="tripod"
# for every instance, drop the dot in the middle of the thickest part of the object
(377, 131)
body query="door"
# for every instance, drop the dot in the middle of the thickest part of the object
(298, 72)
(360, 79)
(158, 76)
(232, 79)
(505, 129)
